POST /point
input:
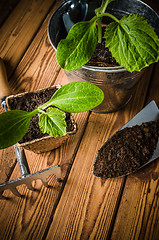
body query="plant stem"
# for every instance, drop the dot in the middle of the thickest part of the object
(45, 105)
(99, 30)
(34, 112)
(108, 15)
(40, 111)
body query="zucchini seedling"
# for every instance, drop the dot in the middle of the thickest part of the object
(73, 97)
(131, 40)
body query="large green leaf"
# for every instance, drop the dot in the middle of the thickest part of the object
(53, 122)
(133, 42)
(79, 45)
(13, 126)
(76, 97)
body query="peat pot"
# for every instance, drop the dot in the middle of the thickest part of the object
(117, 83)
(34, 140)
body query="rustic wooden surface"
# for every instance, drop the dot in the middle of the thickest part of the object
(81, 206)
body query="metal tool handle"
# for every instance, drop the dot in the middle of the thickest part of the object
(22, 161)
(4, 85)
(76, 12)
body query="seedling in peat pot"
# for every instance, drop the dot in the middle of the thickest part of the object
(73, 97)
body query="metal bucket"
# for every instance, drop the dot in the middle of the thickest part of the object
(117, 83)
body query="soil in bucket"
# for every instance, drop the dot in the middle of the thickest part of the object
(102, 57)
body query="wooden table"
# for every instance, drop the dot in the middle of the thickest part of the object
(81, 206)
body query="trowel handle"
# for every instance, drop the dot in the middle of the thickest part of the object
(4, 85)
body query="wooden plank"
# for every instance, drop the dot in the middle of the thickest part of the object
(5, 9)
(140, 220)
(88, 205)
(19, 29)
(41, 72)
(153, 93)
(31, 214)
(13, 44)
(38, 69)
(7, 163)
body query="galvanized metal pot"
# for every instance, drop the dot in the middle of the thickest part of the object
(117, 83)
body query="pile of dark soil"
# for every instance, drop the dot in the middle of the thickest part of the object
(29, 102)
(127, 150)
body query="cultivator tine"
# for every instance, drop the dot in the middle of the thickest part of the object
(44, 181)
(1, 196)
(29, 186)
(15, 191)
(27, 180)
(11, 185)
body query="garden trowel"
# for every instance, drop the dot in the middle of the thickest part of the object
(148, 115)
(77, 12)
(26, 176)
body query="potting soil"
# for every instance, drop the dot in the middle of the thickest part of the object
(127, 150)
(102, 57)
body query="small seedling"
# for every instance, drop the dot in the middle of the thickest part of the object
(73, 97)
(131, 41)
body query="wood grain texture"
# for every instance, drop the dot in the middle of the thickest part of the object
(32, 213)
(138, 213)
(138, 216)
(86, 201)
(7, 163)
(88, 205)
(6, 7)
(81, 206)
(38, 69)
(19, 29)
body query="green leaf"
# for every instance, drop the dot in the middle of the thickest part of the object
(53, 122)
(79, 45)
(132, 42)
(103, 6)
(76, 97)
(13, 126)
